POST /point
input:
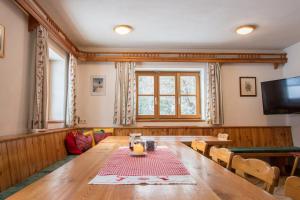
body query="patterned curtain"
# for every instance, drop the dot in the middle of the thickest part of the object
(124, 110)
(71, 93)
(214, 108)
(39, 114)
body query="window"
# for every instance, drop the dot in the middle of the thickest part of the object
(57, 89)
(168, 95)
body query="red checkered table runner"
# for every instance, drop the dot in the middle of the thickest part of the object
(161, 162)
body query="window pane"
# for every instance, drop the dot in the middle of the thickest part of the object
(57, 86)
(188, 85)
(167, 105)
(146, 84)
(146, 105)
(167, 84)
(188, 105)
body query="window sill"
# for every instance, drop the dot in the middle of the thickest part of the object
(56, 121)
(170, 120)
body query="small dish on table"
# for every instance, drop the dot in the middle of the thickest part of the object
(134, 154)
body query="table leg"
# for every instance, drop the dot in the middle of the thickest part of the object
(295, 166)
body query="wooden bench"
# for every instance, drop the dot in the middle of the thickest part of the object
(278, 155)
(24, 155)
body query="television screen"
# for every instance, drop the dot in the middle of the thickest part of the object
(281, 96)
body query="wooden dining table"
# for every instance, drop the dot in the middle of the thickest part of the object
(210, 140)
(70, 181)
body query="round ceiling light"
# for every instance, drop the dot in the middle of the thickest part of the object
(244, 30)
(123, 29)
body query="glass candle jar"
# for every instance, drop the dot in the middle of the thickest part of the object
(133, 138)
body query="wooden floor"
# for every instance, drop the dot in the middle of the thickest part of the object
(71, 181)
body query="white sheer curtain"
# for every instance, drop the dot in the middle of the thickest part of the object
(71, 92)
(214, 108)
(39, 107)
(125, 103)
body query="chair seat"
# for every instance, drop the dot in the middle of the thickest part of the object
(265, 149)
(279, 190)
(282, 197)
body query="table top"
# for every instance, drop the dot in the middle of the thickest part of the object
(211, 140)
(296, 154)
(71, 180)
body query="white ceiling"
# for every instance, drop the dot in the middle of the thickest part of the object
(178, 24)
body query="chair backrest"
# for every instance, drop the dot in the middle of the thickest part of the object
(292, 187)
(220, 155)
(194, 145)
(202, 147)
(223, 136)
(258, 169)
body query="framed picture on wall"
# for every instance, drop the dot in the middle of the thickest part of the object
(2, 33)
(248, 87)
(98, 85)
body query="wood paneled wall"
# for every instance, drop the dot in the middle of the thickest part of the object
(22, 156)
(240, 136)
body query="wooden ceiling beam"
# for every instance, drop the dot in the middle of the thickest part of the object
(38, 15)
(273, 58)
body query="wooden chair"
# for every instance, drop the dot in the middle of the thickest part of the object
(221, 155)
(297, 156)
(223, 136)
(200, 146)
(194, 145)
(292, 187)
(258, 169)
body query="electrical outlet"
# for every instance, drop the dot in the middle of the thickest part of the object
(82, 121)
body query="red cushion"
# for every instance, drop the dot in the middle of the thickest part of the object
(71, 144)
(83, 142)
(100, 136)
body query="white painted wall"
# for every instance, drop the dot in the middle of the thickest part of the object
(96, 110)
(14, 70)
(291, 69)
(247, 111)
(239, 111)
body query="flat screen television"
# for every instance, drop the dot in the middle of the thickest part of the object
(281, 96)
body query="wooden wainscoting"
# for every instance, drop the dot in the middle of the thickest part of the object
(240, 136)
(22, 156)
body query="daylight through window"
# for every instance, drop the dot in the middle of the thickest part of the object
(168, 95)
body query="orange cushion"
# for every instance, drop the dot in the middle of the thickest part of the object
(90, 133)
